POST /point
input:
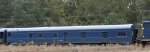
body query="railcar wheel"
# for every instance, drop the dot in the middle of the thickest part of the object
(144, 44)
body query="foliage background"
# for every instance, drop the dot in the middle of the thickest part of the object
(31, 13)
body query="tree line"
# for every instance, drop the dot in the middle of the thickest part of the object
(31, 13)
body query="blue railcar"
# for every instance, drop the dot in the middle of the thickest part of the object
(3, 36)
(125, 33)
(146, 31)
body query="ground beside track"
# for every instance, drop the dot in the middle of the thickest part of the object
(77, 48)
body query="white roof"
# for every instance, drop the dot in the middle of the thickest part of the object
(88, 27)
(2, 30)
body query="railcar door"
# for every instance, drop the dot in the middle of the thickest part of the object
(30, 36)
(65, 37)
(134, 35)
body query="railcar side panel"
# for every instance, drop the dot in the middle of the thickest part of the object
(125, 34)
(17, 37)
(76, 36)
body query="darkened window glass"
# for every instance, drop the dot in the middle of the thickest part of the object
(121, 33)
(55, 35)
(146, 25)
(40, 35)
(83, 34)
(9, 34)
(1, 35)
(104, 34)
(65, 33)
(30, 34)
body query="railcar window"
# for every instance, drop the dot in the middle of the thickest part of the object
(146, 25)
(65, 33)
(1, 35)
(83, 34)
(9, 34)
(30, 35)
(40, 35)
(122, 34)
(104, 34)
(55, 35)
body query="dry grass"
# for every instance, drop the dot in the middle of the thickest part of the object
(70, 48)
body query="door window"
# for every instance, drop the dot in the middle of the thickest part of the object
(30, 35)
(65, 33)
(55, 35)
(9, 34)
